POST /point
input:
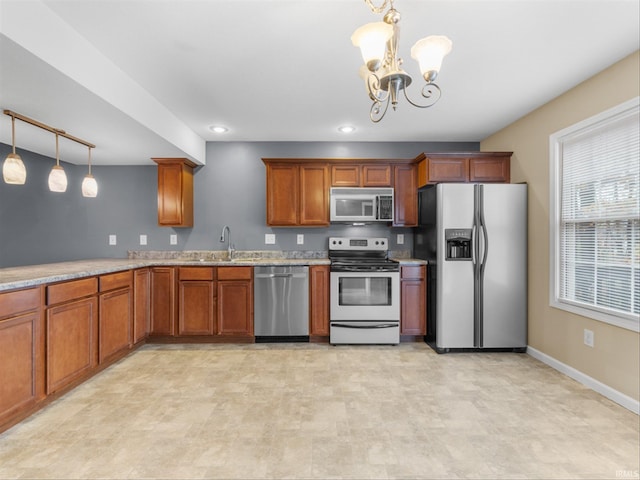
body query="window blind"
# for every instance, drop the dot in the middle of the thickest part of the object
(599, 226)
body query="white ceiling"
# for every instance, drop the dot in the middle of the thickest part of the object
(145, 78)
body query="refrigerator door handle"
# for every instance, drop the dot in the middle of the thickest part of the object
(473, 243)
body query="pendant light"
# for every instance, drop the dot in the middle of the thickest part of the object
(57, 177)
(89, 184)
(13, 170)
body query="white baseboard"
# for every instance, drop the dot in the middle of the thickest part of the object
(612, 394)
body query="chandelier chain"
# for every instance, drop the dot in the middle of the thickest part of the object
(381, 8)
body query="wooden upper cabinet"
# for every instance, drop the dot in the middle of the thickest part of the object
(490, 169)
(376, 175)
(314, 195)
(175, 192)
(282, 195)
(464, 167)
(297, 194)
(405, 202)
(361, 175)
(345, 175)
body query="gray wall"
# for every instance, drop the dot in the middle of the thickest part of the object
(38, 226)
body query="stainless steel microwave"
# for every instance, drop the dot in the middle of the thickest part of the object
(366, 205)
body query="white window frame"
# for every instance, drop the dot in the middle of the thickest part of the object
(620, 319)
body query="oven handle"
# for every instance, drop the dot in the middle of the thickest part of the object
(380, 325)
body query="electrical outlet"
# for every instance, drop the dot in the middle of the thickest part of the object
(173, 239)
(588, 338)
(269, 238)
(112, 240)
(300, 239)
(400, 239)
(143, 239)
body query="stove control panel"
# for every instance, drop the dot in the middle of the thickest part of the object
(359, 243)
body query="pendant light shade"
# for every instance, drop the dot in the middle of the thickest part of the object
(13, 169)
(89, 184)
(57, 177)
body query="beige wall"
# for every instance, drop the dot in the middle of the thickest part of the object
(615, 358)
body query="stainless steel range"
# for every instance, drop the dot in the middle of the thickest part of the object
(365, 292)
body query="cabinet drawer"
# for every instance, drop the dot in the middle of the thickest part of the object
(195, 273)
(63, 292)
(115, 280)
(235, 273)
(12, 303)
(413, 272)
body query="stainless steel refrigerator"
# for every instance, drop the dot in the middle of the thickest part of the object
(475, 239)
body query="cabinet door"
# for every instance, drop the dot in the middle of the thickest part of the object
(235, 308)
(141, 304)
(490, 169)
(405, 195)
(319, 300)
(175, 192)
(345, 175)
(21, 350)
(282, 195)
(163, 301)
(72, 342)
(449, 169)
(115, 323)
(314, 195)
(196, 308)
(376, 175)
(413, 301)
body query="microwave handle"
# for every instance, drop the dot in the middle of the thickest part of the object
(377, 214)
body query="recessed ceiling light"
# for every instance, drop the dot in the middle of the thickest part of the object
(218, 129)
(346, 129)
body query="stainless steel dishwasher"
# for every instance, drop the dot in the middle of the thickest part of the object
(281, 303)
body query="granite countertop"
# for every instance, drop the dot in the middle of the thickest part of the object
(27, 276)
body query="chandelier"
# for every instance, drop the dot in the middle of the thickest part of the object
(382, 71)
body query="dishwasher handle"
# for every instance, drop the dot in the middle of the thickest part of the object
(280, 275)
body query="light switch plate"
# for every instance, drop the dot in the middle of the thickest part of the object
(269, 238)
(143, 239)
(300, 239)
(112, 240)
(173, 239)
(400, 239)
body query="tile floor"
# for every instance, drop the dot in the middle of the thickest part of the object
(309, 411)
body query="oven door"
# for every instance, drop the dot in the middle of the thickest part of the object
(365, 296)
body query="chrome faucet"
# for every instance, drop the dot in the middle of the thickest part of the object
(222, 239)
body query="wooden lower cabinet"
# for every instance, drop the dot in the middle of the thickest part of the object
(235, 301)
(72, 341)
(319, 278)
(22, 352)
(163, 288)
(115, 323)
(413, 300)
(196, 301)
(141, 304)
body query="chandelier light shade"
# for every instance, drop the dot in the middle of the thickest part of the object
(429, 53)
(89, 184)
(385, 80)
(372, 39)
(57, 177)
(13, 169)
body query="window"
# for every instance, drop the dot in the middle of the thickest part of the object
(595, 224)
